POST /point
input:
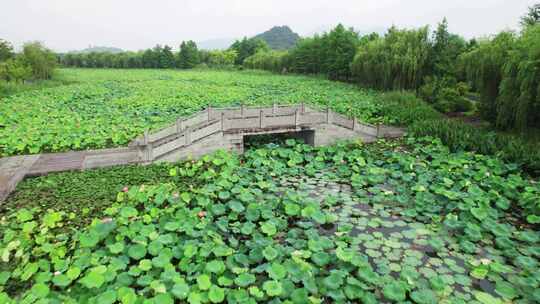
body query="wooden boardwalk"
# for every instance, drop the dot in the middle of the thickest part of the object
(197, 135)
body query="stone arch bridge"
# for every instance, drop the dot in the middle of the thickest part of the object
(227, 128)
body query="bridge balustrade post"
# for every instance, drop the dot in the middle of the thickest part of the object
(209, 109)
(242, 110)
(223, 121)
(296, 118)
(378, 130)
(354, 123)
(179, 125)
(328, 114)
(188, 136)
(261, 122)
(150, 153)
(274, 109)
(146, 137)
(147, 147)
(302, 108)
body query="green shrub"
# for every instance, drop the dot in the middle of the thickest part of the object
(446, 94)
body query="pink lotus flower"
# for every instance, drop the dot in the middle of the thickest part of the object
(125, 189)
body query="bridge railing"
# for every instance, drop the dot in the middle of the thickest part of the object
(212, 120)
(180, 125)
(184, 139)
(246, 111)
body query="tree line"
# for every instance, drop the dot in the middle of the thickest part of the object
(163, 57)
(35, 61)
(441, 67)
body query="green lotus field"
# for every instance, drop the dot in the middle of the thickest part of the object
(393, 222)
(108, 108)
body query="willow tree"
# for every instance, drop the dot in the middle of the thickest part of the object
(518, 105)
(399, 60)
(484, 68)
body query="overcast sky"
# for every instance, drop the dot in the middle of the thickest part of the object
(137, 24)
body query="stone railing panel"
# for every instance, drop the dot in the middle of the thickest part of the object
(170, 146)
(342, 121)
(279, 121)
(365, 128)
(196, 119)
(239, 123)
(311, 118)
(208, 130)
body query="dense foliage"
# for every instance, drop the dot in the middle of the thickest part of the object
(269, 61)
(188, 57)
(293, 224)
(218, 59)
(34, 62)
(279, 38)
(111, 107)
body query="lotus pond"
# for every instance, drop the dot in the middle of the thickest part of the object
(108, 108)
(393, 222)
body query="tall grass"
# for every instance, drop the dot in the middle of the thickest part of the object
(406, 109)
(403, 108)
(459, 136)
(11, 88)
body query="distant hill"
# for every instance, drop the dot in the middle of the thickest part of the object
(99, 49)
(279, 37)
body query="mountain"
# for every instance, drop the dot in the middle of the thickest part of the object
(279, 37)
(99, 49)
